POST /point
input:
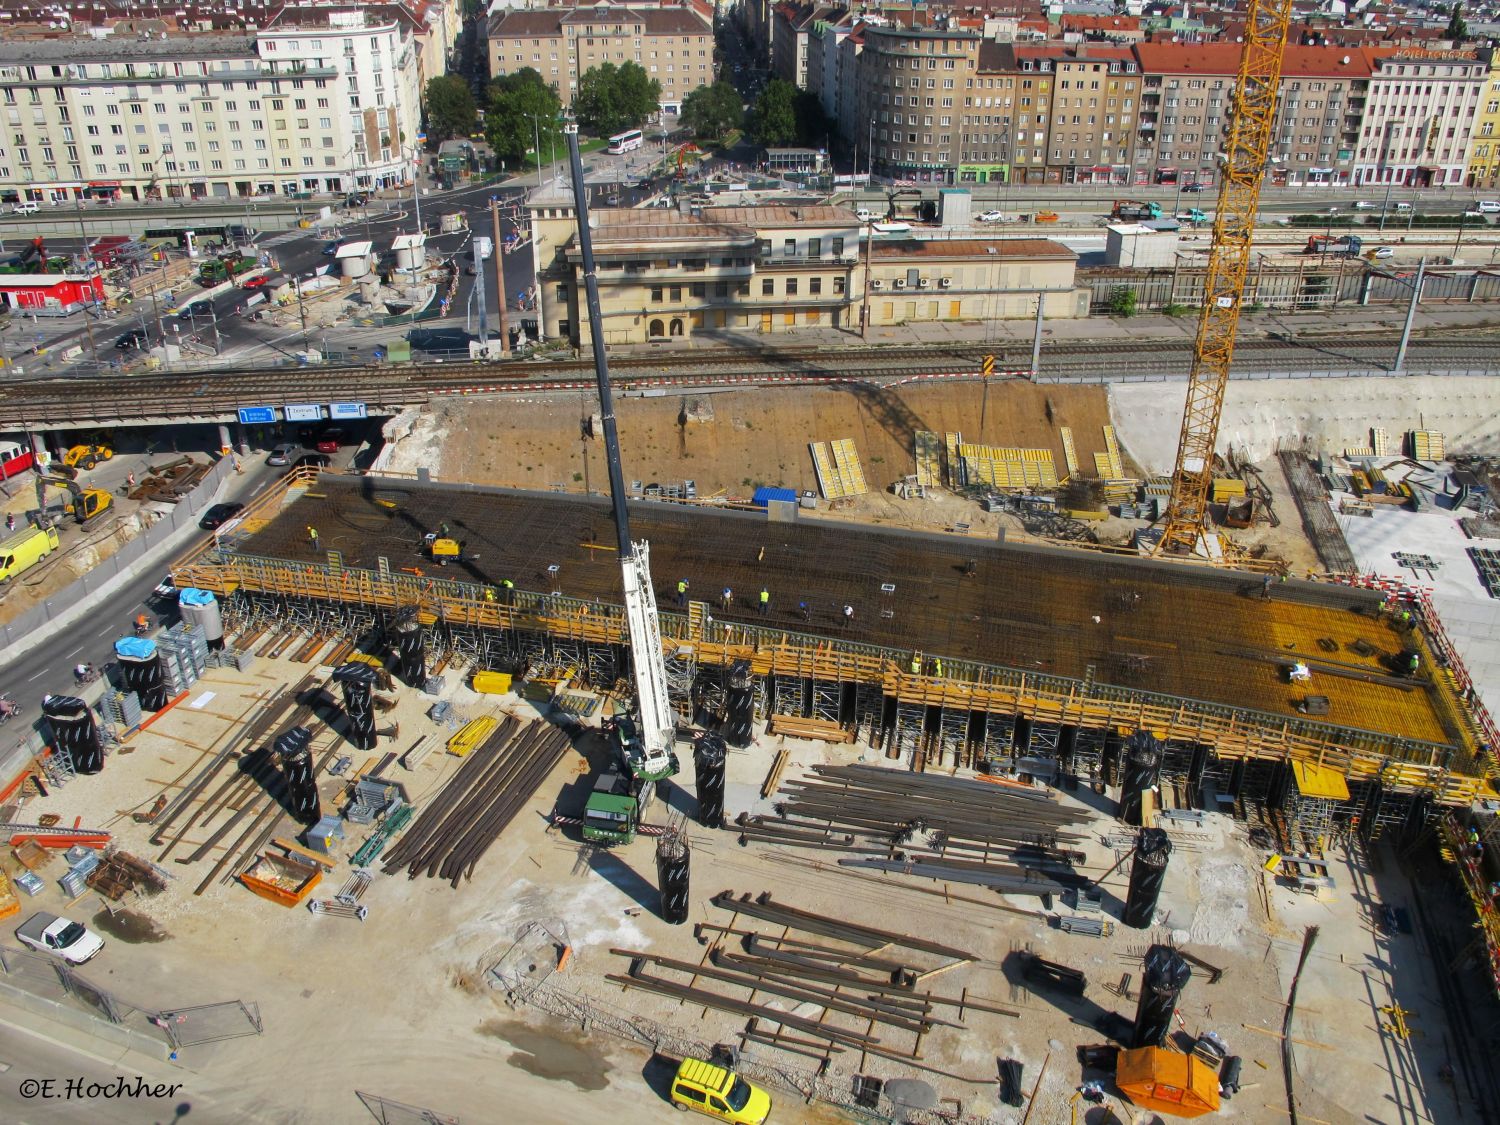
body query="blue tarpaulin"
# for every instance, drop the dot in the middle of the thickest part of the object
(196, 597)
(765, 494)
(140, 648)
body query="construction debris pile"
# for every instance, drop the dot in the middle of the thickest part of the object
(995, 833)
(496, 780)
(866, 977)
(170, 481)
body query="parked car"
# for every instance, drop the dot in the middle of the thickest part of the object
(196, 309)
(220, 514)
(68, 940)
(166, 590)
(257, 282)
(135, 338)
(1195, 188)
(998, 217)
(717, 1092)
(26, 208)
(1487, 206)
(332, 248)
(282, 454)
(1364, 205)
(329, 440)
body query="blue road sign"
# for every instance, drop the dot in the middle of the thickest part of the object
(257, 415)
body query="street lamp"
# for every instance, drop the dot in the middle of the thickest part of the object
(536, 130)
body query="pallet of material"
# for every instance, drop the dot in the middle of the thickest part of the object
(9, 903)
(470, 735)
(928, 448)
(819, 730)
(1226, 488)
(1084, 514)
(1427, 445)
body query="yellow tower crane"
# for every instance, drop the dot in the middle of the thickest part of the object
(1246, 154)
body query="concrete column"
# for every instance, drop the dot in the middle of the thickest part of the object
(224, 443)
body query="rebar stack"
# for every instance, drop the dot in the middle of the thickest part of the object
(1167, 974)
(673, 859)
(358, 682)
(479, 801)
(1014, 840)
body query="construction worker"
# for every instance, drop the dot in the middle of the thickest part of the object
(1265, 588)
(489, 594)
(682, 589)
(312, 536)
(765, 601)
(805, 610)
(443, 530)
(937, 665)
(726, 598)
(916, 664)
(142, 624)
(848, 615)
(510, 591)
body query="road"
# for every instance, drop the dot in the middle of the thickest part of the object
(47, 668)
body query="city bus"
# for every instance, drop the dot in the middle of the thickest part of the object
(626, 142)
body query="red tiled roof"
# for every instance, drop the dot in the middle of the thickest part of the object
(1224, 59)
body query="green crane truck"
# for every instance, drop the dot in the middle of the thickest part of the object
(612, 814)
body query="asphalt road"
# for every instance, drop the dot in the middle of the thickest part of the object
(47, 668)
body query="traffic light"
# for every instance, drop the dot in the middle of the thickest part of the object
(989, 366)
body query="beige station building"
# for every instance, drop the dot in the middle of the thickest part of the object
(764, 269)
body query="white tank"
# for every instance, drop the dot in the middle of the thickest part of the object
(201, 608)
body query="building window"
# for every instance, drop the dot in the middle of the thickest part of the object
(791, 287)
(767, 287)
(815, 286)
(814, 247)
(656, 294)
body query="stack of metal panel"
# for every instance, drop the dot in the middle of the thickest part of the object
(75, 882)
(121, 708)
(433, 685)
(184, 656)
(243, 661)
(372, 797)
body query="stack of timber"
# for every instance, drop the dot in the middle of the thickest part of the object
(1015, 840)
(478, 803)
(825, 983)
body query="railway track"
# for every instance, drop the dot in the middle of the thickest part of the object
(385, 389)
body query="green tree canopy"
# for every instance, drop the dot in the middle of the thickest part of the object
(508, 125)
(712, 111)
(611, 98)
(450, 108)
(1458, 29)
(773, 117)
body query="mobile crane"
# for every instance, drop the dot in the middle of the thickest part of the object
(1246, 153)
(644, 740)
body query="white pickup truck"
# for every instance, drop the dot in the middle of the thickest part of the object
(69, 940)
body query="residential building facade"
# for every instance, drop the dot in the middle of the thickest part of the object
(324, 105)
(774, 269)
(1484, 155)
(674, 45)
(911, 90)
(1421, 117)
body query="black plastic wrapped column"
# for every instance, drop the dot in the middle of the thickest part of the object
(739, 706)
(1142, 766)
(411, 654)
(708, 776)
(294, 750)
(673, 859)
(358, 681)
(142, 675)
(1166, 976)
(76, 732)
(1147, 873)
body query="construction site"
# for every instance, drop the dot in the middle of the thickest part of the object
(957, 758)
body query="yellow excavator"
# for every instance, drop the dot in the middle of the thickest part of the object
(85, 504)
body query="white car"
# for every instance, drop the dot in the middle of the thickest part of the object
(1488, 206)
(68, 940)
(166, 590)
(27, 208)
(1364, 205)
(997, 217)
(1384, 252)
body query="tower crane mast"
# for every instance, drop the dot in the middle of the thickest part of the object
(1246, 153)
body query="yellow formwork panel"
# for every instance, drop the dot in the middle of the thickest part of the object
(471, 734)
(1320, 781)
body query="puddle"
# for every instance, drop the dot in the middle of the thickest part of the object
(129, 927)
(549, 1056)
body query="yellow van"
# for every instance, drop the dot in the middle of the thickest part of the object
(25, 549)
(719, 1093)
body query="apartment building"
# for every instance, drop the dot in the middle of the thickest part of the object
(1484, 155)
(1421, 116)
(911, 89)
(674, 45)
(775, 269)
(322, 104)
(1074, 112)
(793, 28)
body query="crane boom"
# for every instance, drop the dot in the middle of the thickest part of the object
(1245, 156)
(648, 749)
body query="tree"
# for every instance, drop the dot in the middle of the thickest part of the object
(450, 108)
(612, 98)
(514, 101)
(773, 118)
(1458, 30)
(712, 111)
(1122, 302)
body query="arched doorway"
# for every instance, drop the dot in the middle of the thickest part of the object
(676, 327)
(656, 329)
